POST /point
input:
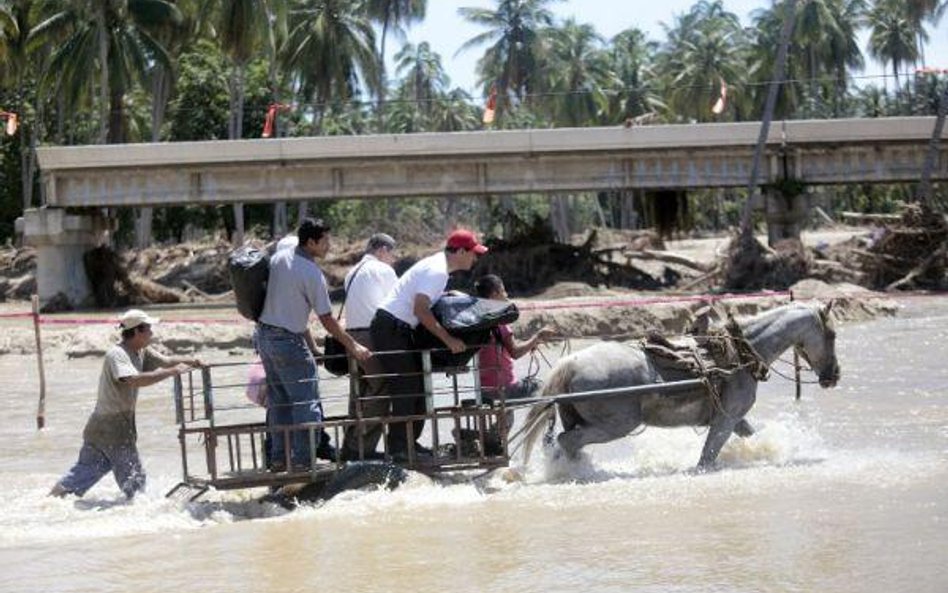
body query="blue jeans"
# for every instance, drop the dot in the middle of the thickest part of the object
(94, 462)
(292, 389)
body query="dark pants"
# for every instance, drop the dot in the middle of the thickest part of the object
(406, 390)
(371, 401)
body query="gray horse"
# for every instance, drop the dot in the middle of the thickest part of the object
(610, 365)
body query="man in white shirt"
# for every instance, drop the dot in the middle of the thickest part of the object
(367, 284)
(407, 305)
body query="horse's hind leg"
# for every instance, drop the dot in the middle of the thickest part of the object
(743, 428)
(584, 434)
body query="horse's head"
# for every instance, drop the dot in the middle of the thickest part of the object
(818, 347)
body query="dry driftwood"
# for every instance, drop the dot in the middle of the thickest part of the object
(152, 292)
(919, 270)
(667, 257)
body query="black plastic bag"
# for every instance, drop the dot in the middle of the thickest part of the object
(336, 358)
(467, 318)
(249, 270)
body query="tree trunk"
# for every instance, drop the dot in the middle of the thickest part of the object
(104, 66)
(236, 117)
(747, 214)
(160, 90)
(382, 80)
(116, 129)
(28, 134)
(559, 217)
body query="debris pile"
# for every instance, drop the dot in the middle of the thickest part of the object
(750, 265)
(911, 254)
(531, 260)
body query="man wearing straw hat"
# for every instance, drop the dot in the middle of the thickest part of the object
(109, 438)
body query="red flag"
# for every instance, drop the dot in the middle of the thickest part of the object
(721, 103)
(490, 109)
(270, 121)
(12, 122)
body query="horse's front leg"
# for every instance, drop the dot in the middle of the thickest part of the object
(737, 397)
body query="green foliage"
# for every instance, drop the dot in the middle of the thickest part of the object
(201, 105)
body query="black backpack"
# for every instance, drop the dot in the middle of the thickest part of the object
(467, 318)
(249, 269)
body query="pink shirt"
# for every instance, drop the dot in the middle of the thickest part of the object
(495, 363)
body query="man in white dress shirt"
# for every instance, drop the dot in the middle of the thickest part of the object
(407, 305)
(367, 284)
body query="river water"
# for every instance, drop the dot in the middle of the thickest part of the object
(846, 490)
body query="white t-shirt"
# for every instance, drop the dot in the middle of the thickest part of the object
(428, 277)
(288, 242)
(367, 285)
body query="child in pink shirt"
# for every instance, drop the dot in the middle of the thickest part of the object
(495, 360)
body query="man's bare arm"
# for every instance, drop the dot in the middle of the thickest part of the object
(151, 377)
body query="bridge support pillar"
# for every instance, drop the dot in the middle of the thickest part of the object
(61, 240)
(786, 215)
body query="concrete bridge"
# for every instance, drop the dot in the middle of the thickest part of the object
(484, 163)
(822, 152)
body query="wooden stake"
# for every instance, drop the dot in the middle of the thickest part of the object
(41, 409)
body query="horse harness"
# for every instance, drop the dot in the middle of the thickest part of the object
(713, 357)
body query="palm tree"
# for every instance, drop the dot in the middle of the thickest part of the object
(394, 15)
(454, 112)
(631, 59)
(110, 36)
(423, 77)
(196, 19)
(919, 11)
(16, 66)
(9, 31)
(706, 47)
(845, 53)
(576, 73)
(511, 62)
(245, 28)
(241, 29)
(330, 52)
(892, 35)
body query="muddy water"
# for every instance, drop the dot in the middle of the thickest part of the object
(846, 490)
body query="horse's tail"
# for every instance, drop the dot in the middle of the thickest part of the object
(541, 414)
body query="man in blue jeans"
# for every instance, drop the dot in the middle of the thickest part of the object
(296, 286)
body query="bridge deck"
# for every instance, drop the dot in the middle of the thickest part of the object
(494, 162)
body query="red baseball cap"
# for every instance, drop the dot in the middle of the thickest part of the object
(465, 239)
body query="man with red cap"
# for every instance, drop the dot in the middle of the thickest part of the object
(407, 305)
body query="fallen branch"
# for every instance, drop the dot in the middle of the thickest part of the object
(920, 269)
(697, 281)
(667, 257)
